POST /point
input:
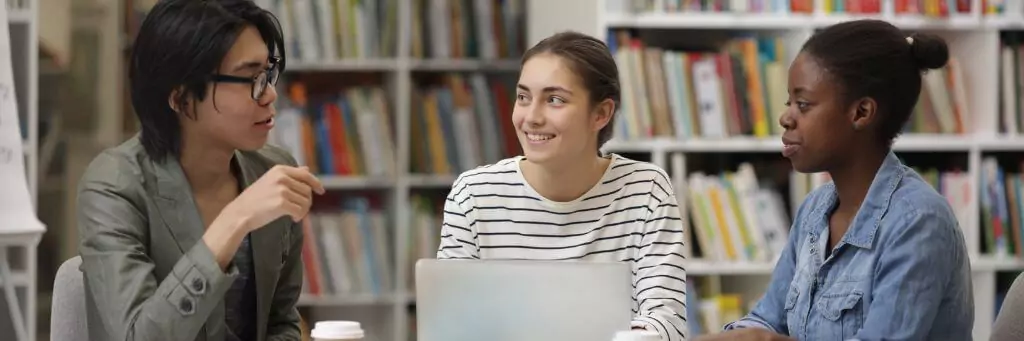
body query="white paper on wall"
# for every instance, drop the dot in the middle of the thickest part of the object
(17, 213)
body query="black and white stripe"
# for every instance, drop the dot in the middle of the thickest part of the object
(631, 215)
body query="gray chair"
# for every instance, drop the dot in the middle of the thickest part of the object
(67, 313)
(1009, 324)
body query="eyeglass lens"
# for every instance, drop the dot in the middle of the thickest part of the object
(268, 77)
(258, 85)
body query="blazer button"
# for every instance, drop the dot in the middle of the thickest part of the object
(198, 285)
(186, 305)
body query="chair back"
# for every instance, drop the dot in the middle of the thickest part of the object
(67, 313)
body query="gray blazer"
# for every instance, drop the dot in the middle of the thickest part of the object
(148, 276)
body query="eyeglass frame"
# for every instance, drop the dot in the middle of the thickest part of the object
(270, 77)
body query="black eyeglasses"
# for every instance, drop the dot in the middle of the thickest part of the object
(259, 82)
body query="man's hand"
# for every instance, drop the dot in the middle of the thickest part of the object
(281, 191)
(746, 334)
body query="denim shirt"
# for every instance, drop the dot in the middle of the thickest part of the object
(901, 271)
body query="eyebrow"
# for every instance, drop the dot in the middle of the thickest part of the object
(249, 65)
(546, 89)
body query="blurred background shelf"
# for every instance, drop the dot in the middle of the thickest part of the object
(307, 300)
(417, 91)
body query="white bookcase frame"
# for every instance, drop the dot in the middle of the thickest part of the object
(23, 24)
(387, 317)
(22, 20)
(973, 39)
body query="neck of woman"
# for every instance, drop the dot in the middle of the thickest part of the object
(206, 167)
(567, 180)
(854, 178)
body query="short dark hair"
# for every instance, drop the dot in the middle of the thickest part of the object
(179, 45)
(873, 58)
(590, 59)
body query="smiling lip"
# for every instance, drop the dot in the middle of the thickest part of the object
(527, 134)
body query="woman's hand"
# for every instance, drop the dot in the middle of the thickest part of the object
(281, 191)
(746, 334)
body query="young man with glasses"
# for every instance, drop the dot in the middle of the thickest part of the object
(191, 229)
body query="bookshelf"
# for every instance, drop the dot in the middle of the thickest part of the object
(966, 129)
(418, 90)
(406, 98)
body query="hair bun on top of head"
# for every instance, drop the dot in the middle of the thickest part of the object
(929, 51)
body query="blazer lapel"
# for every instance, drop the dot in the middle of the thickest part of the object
(266, 250)
(175, 204)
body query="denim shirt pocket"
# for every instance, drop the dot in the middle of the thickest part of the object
(791, 297)
(793, 315)
(842, 312)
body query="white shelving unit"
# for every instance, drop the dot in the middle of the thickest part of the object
(389, 313)
(368, 308)
(388, 316)
(973, 39)
(21, 248)
(24, 30)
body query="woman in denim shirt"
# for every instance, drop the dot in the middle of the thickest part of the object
(877, 253)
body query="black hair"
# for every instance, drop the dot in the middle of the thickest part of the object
(873, 58)
(590, 59)
(180, 44)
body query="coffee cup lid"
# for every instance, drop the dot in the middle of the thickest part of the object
(337, 330)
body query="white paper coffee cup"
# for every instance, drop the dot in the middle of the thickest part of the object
(337, 331)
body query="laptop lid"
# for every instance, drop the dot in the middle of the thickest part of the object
(510, 300)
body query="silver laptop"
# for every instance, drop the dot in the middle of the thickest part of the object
(502, 300)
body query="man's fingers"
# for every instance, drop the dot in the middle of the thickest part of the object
(297, 186)
(303, 174)
(296, 205)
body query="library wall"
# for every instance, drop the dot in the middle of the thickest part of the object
(389, 100)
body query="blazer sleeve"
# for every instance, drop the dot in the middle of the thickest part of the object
(118, 272)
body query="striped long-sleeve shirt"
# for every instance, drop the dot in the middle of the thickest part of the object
(631, 215)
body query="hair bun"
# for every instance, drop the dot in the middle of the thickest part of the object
(929, 51)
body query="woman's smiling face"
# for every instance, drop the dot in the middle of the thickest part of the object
(552, 114)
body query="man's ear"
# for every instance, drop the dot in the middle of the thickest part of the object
(603, 113)
(179, 102)
(863, 113)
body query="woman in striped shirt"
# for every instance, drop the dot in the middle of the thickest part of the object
(562, 199)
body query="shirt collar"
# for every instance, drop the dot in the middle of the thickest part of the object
(877, 202)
